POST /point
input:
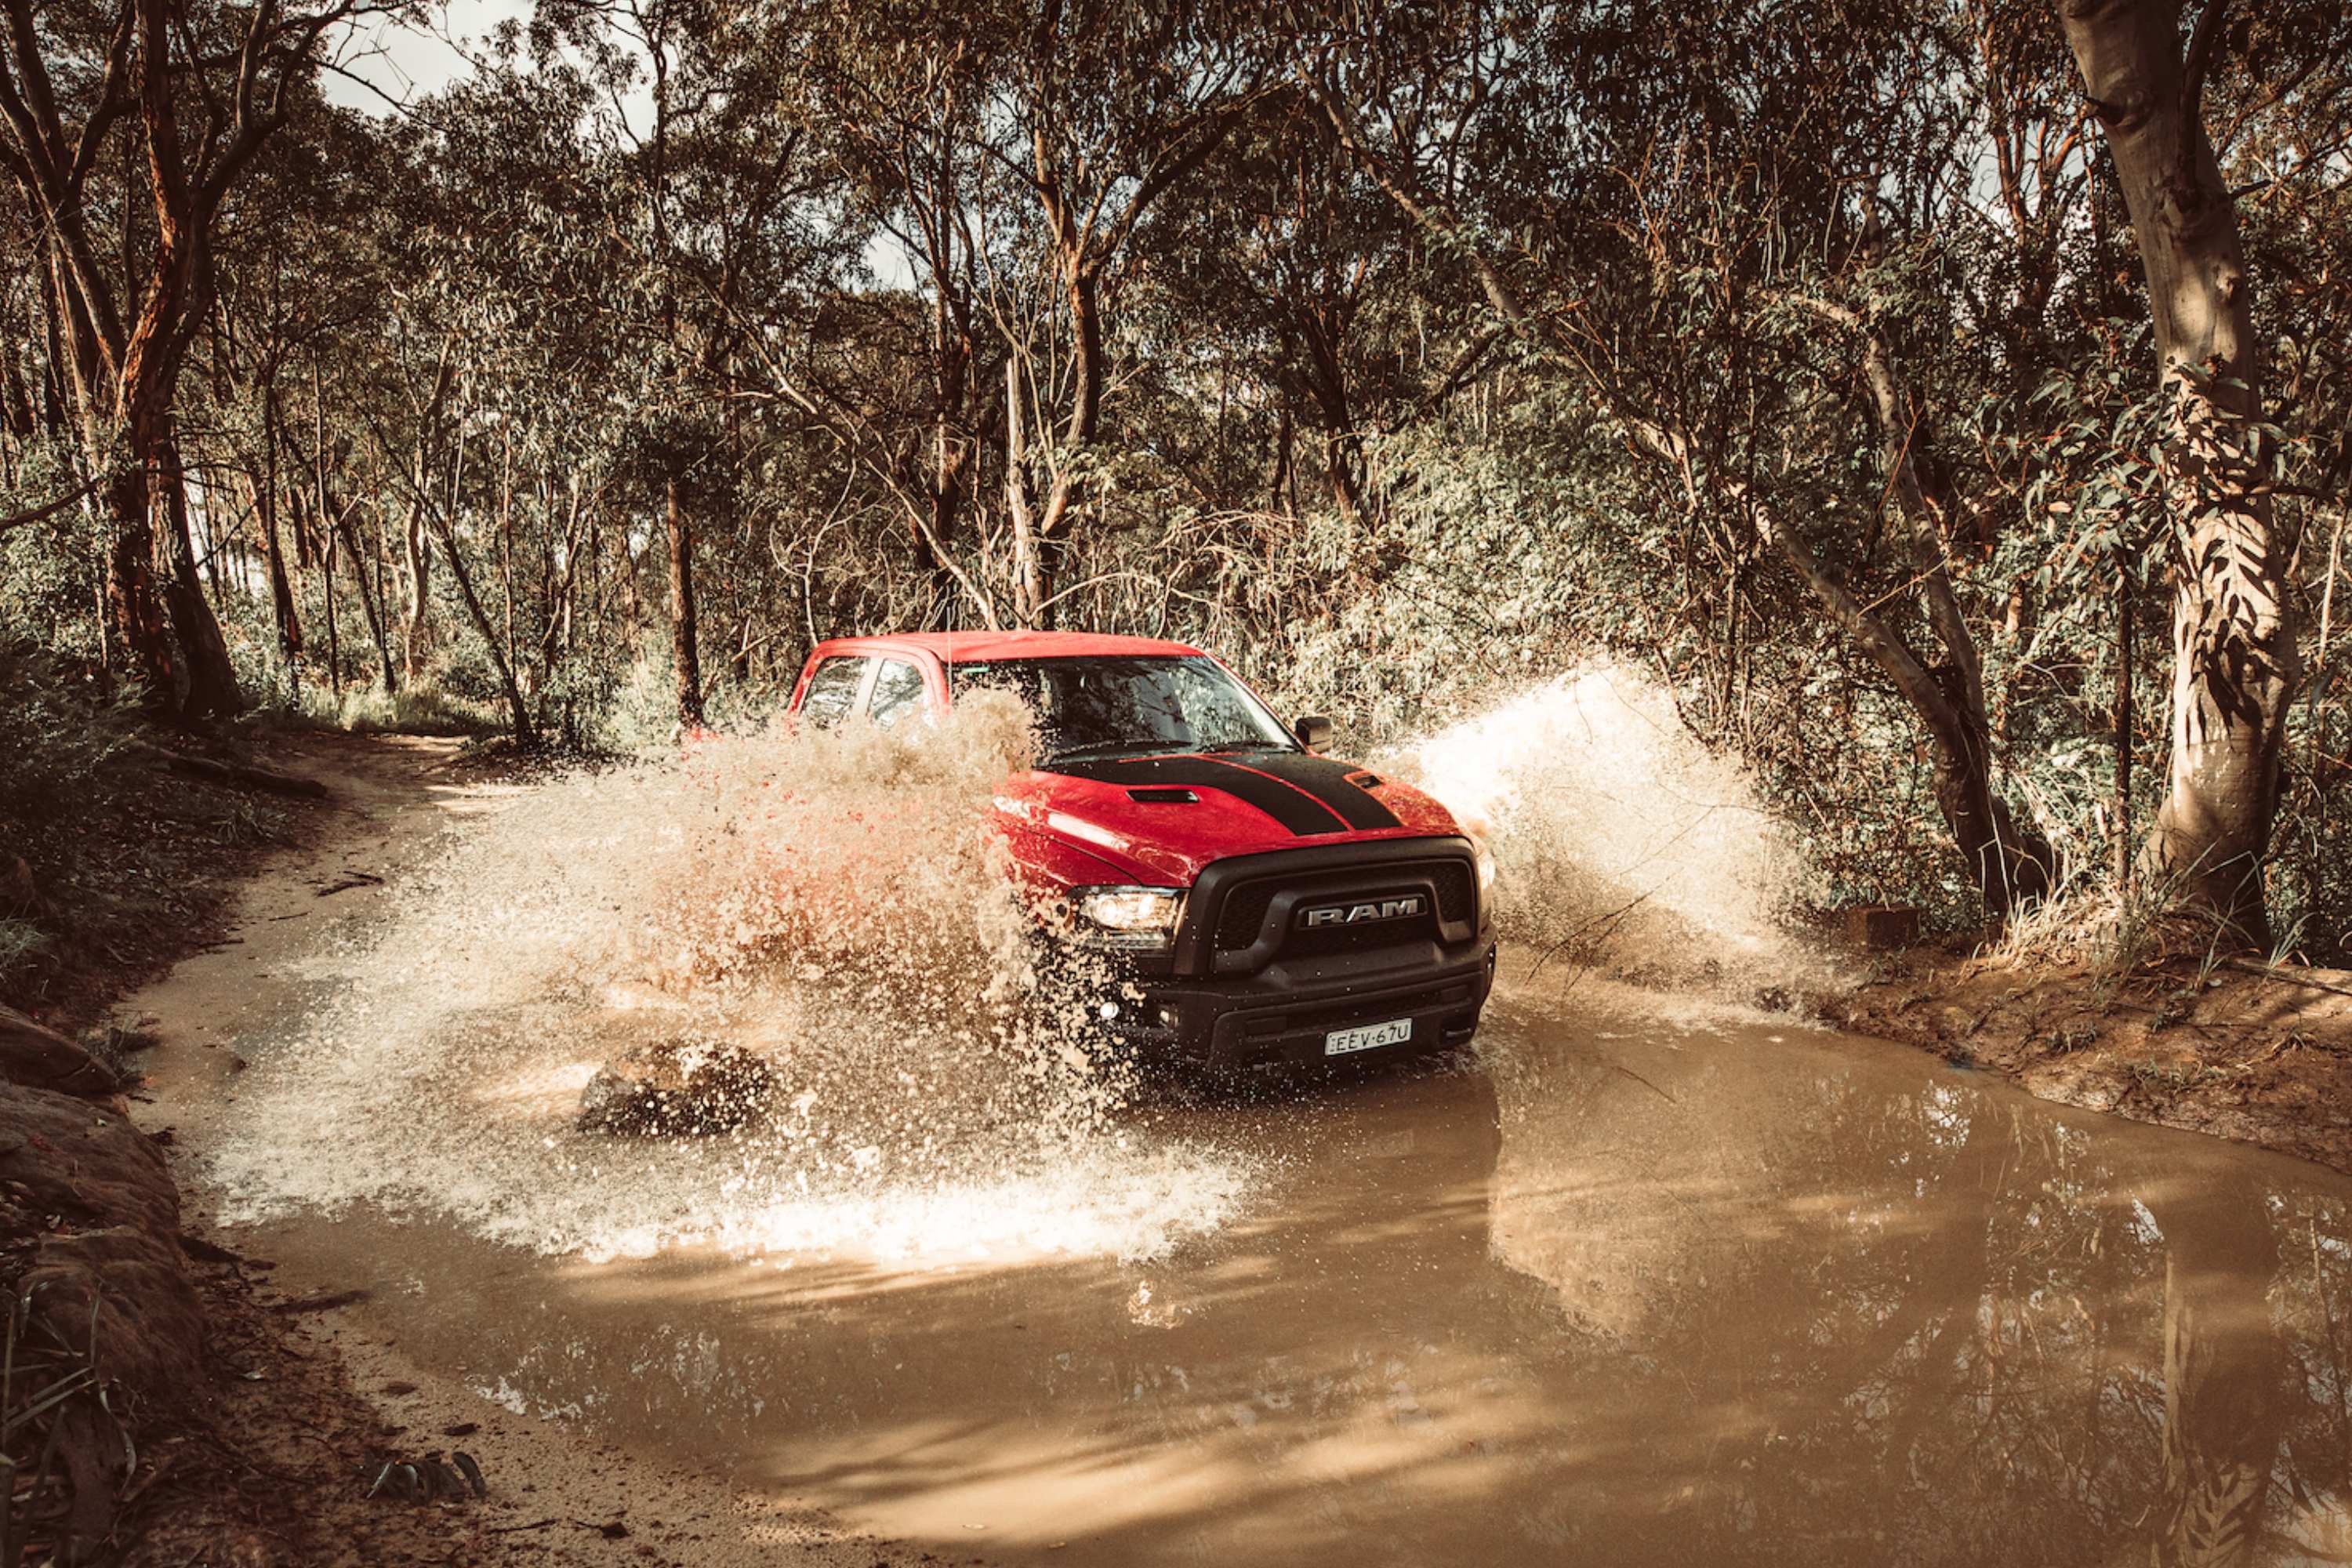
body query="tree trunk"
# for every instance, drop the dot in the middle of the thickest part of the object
(1340, 454)
(369, 605)
(517, 709)
(2235, 663)
(2008, 863)
(327, 552)
(134, 601)
(323, 520)
(212, 679)
(2125, 658)
(1028, 566)
(682, 628)
(282, 587)
(1278, 488)
(1086, 326)
(418, 564)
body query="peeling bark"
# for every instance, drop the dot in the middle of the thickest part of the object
(2235, 662)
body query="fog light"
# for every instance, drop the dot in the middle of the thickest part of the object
(1109, 1011)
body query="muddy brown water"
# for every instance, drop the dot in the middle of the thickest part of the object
(1642, 1284)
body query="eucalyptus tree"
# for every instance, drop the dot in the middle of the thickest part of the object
(2236, 656)
(1697, 232)
(1292, 253)
(296, 282)
(197, 89)
(1103, 112)
(897, 92)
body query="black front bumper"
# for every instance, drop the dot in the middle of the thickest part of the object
(1220, 1002)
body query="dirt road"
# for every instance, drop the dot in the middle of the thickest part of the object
(1648, 1282)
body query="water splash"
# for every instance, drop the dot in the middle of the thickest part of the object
(1617, 836)
(825, 902)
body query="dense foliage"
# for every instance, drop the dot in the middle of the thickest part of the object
(1404, 354)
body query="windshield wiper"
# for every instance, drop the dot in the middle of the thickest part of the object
(1115, 749)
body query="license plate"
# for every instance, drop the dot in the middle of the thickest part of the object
(1371, 1036)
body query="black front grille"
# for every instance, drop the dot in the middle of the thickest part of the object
(1244, 914)
(1323, 939)
(1457, 892)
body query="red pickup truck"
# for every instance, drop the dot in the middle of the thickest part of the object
(1267, 902)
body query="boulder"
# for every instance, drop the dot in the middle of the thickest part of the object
(89, 1226)
(1881, 928)
(678, 1086)
(38, 1056)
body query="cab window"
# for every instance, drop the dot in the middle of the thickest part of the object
(897, 691)
(832, 689)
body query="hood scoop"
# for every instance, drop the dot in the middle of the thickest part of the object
(1161, 795)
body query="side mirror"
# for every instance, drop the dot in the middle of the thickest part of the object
(1314, 734)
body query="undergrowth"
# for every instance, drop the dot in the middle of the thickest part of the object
(420, 710)
(108, 861)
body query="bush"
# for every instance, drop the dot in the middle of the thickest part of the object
(62, 738)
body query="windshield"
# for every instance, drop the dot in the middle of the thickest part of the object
(1132, 706)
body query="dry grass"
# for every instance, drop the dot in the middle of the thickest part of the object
(2088, 927)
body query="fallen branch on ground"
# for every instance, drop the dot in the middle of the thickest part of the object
(241, 775)
(2271, 971)
(324, 1301)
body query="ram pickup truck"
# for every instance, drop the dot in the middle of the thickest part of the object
(1263, 902)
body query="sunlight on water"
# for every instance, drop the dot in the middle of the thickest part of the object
(818, 915)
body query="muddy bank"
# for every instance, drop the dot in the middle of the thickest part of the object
(160, 1410)
(113, 871)
(102, 1319)
(2235, 1050)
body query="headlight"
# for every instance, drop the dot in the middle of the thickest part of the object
(1486, 882)
(1128, 917)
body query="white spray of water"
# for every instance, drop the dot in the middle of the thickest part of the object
(825, 903)
(1616, 835)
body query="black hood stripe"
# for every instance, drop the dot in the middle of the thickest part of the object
(1298, 812)
(1309, 795)
(1327, 781)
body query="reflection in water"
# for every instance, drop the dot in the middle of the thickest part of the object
(1927, 1322)
(1637, 1292)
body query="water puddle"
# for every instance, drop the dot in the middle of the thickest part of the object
(1650, 1283)
(1645, 1288)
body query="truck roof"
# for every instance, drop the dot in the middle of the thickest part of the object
(984, 648)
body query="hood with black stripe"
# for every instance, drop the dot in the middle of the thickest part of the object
(1160, 819)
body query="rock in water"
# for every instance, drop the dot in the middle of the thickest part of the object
(677, 1086)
